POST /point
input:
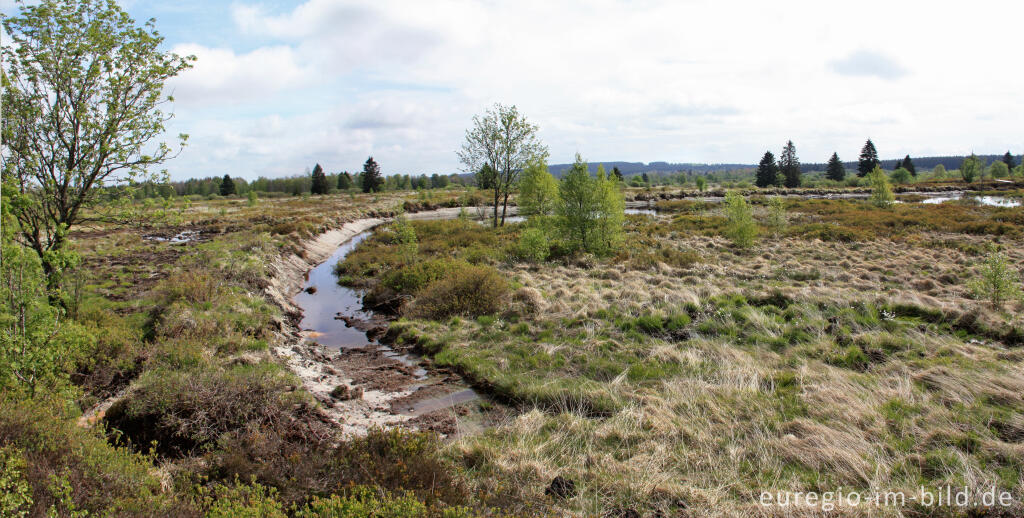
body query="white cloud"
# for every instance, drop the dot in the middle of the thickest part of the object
(868, 63)
(695, 80)
(223, 76)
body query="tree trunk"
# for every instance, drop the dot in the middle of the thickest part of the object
(52, 274)
(496, 193)
(504, 208)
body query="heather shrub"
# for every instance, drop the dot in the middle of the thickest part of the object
(472, 291)
(413, 277)
(184, 412)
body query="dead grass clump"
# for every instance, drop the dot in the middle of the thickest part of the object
(531, 299)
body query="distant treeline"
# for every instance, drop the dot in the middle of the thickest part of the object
(923, 163)
(299, 184)
(634, 168)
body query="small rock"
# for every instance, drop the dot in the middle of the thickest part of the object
(561, 487)
(345, 393)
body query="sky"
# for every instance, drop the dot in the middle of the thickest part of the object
(280, 86)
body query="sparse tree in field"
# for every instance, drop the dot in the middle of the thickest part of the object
(939, 171)
(505, 141)
(997, 281)
(789, 166)
(319, 181)
(618, 174)
(835, 170)
(971, 168)
(372, 181)
(344, 181)
(405, 236)
(778, 220)
(1009, 161)
(82, 97)
(646, 179)
(590, 210)
(252, 198)
(998, 169)
(538, 190)
(741, 229)
(702, 183)
(901, 175)
(908, 164)
(881, 191)
(767, 171)
(611, 212)
(868, 159)
(227, 186)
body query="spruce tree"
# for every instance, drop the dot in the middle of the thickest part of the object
(789, 166)
(344, 181)
(371, 176)
(908, 164)
(319, 183)
(1008, 160)
(227, 186)
(618, 174)
(486, 178)
(767, 171)
(835, 170)
(868, 159)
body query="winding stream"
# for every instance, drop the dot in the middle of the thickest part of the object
(403, 386)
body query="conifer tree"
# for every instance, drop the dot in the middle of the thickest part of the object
(868, 159)
(618, 174)
(227, 186)
(835, 170)
(319, 183)
(908, 164)
(371, 176)
(344, 181)
(767, 171)
(789, 166)
(1008, 160)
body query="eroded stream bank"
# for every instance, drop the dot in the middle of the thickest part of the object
(361, 383)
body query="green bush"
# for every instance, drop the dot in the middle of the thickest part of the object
(15, 491)
(471, 291)
(71, 469)
(533, 245)
(245, 501)
(971, 168)
(741, 229)
(901, 176)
